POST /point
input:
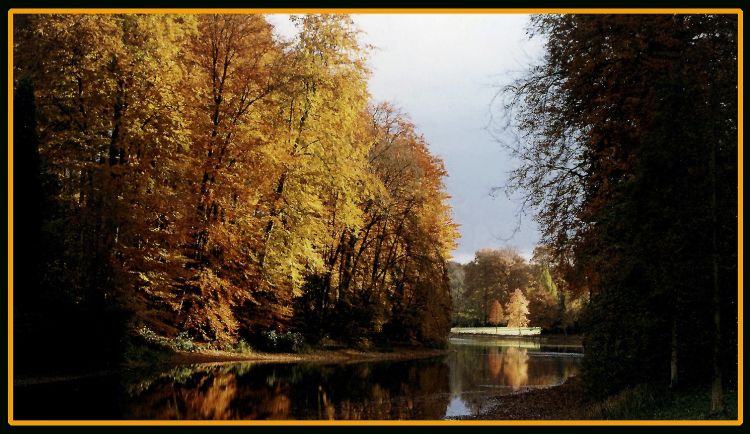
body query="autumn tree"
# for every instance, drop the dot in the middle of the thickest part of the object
(325, 155)
(391, 275)
(496, 314)
(518, 309)
(230, 62)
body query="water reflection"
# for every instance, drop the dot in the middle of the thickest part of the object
(403, 390)
(454, 385)
(487, 367)
(514, 364)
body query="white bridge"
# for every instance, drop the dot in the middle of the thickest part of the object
(498, 331)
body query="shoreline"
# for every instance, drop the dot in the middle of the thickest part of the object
(560, 402)
(566, 402)
(553, 339)
(346, 355)
(339, 356)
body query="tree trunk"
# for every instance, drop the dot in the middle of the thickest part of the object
(275, 213)
(717, 404)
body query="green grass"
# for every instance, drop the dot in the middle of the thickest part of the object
(632, 403)
(648, 403)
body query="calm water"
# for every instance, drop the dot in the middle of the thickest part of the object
(453, 385)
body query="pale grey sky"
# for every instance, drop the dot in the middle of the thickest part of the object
(443, 70)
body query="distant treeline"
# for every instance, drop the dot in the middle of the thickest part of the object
(627, 137)
(483, 291)
(195, 175)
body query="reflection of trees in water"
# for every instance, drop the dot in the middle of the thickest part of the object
(210, 394)
(519, 368)
(516, 367)
(495, 362)
(413, 390)
(512, 363)
(161, 399)
(385, 390)
(482, 369)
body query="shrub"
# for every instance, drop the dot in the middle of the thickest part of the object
(241, 346)
(150, 337)
(183, 342)
(282, 342)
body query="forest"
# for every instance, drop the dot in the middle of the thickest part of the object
(196, 178)
(627, 137)
(500, 284)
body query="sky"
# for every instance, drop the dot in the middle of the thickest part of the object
(443, 70)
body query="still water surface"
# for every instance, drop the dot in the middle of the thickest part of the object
(456, 384)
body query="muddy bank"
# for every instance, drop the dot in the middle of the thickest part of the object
(561, 402)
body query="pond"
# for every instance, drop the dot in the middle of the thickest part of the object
(456, 384)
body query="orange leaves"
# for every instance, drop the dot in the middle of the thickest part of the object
(518, 310)
(497, 315)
